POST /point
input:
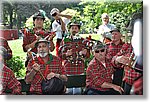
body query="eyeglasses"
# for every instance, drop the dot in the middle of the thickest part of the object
(97, 51)
(54, 14)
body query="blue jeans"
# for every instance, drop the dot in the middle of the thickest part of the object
(74, 91)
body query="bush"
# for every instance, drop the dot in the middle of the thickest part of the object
(17, 65)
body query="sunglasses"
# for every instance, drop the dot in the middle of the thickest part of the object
(54, 14)
(97, 51)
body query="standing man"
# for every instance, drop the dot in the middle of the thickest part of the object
(99, 74)
(59, 25)
(73, 53)
(44, 65)
(105, 28)
(33, 35)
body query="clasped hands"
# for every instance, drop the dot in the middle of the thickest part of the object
(123, 60)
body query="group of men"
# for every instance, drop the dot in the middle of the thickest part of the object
(104, 74)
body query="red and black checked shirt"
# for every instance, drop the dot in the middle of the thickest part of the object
(54, 66)
(4, 43)
(29, 37)
(130, 75)
(72, 68)
(97, 74)
(118, 50)
(9, 81)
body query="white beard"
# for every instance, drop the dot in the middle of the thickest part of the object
(43, 54)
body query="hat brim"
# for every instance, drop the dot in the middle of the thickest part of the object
(39, 17)
(36, 44)
(74, 25)
(114, 31)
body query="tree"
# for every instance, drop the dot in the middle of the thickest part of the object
(120, 12)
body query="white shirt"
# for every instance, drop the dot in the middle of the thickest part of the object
(57, 27)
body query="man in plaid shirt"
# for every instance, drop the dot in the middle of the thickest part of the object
(33, 35)
(43, 66)
(4, 43)
(120, 53)
(7, 77)
(99, 74)
(73, 52)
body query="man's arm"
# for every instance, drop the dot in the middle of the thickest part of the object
(66, 16)
(113, 86)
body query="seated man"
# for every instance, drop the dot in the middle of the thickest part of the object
(7, 77)
(43, 66)
(99, 74)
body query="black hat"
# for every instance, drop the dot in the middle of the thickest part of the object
(115, 30)
(41, 40)
(74, 24)
(39, 15)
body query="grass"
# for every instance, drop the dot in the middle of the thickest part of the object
(16, 47)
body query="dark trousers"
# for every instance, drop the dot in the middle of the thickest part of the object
(127, 88)
(118, 76)
(91, 91)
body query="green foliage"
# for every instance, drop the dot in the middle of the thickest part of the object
(16, 64)
(120, 12)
